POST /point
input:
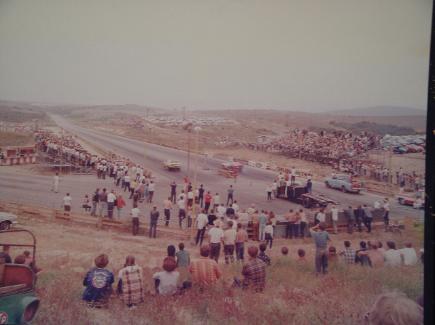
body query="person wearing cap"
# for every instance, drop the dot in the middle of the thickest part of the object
(204, 271)
(166, 281)
(154, 217)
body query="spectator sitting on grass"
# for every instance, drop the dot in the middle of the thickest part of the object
(376, 258)
(409, 255)
(98, 282)
(166, 281)
(394, 308)
(284, 251)
(254, 272)
(392, 256)
(348, 253)
(171, 251)
(332, 254)
(262, 256)
(5, 254)
(362, 258)
(301, 256)
(130, 284)
(204, 271)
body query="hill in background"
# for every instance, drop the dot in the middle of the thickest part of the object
(380, 111)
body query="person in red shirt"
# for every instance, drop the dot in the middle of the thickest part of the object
(120, 204)
(207, 201)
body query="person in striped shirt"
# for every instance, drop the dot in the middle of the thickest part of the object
(204, 271)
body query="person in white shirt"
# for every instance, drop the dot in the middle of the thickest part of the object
(275, 189)
(321, 216)
(201, 224)
(268, 232)
(235, 206)
(126, 182)
(408, 254)
(135, 220)
(67, 204)
(181, 211)
(215, 235)
(293, 175)
(111, 197)
(220, 211)
(166, 281)
(55, 188)
(189, 198)
(377, 205)
(229, 239)
(269, 192)
(392, 256)
(334, 213)
(216, 200)
(151, 188)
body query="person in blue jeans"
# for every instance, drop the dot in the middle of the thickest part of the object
(321, 238)
(98, 282)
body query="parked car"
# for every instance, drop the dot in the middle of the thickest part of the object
(415, 202)
(7, 220)
(18, 301)
(343, 182)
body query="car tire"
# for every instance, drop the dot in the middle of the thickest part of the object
(5, 225)
(327, 185)
(401, 201)
(343, 189)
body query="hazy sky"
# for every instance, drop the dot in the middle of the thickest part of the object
(297, 55)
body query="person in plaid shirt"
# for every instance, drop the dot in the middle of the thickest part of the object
(204, 270)
(348, 253)
(254, 272)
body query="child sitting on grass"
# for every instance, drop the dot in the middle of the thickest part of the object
(262, 256)
(301, 256)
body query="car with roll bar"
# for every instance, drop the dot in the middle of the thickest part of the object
(18, 301)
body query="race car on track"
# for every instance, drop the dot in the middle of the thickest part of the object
(172, 165)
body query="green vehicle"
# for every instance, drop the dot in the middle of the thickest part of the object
(18, 301)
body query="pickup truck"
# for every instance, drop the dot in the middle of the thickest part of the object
(343, 182)
(172, 165)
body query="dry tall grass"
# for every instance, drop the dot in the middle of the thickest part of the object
(293, 295)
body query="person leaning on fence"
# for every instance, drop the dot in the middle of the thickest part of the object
(321, 239)
(98, 282)
(130, 283)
